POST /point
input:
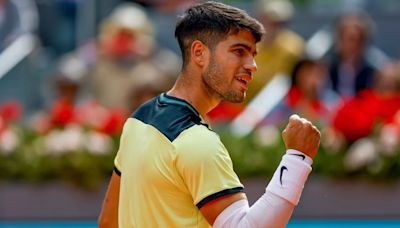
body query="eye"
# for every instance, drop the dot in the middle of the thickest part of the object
(239, 51)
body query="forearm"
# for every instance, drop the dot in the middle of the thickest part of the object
(109, 213)
(275, 207)
(270, 211)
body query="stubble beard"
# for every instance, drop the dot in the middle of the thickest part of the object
(214, 80)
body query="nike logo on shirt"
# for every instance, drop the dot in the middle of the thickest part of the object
(281, 173)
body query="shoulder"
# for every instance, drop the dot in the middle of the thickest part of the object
(200, 144)
(198, 135)
(171, 116)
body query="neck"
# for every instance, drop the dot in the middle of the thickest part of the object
(192, 89)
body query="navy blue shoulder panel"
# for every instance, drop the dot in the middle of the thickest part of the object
(170, 115)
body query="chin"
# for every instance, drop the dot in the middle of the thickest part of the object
(233, 96)
(236, 99)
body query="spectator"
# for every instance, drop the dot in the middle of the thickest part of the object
(307, 95)
(349, 71)
(126, 52)
(116, 61)
(68, 103)
(359, 116)
(68, 79)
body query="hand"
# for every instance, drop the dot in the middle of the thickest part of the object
(300, 134)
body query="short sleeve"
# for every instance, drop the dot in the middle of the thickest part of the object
(117, 164)
(205, 165)
(118, 158)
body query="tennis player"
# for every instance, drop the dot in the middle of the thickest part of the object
(171, 169)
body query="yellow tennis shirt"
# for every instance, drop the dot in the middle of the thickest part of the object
(171, 164)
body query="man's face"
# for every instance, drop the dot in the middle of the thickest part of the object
(121, 44)
(351, 38)
(231, 66)
(310, 79)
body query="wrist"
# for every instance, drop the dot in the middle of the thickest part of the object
(290, 176)
(300, 155)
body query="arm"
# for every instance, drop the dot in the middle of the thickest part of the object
(109, 213)
(275, 207)
(212, 209)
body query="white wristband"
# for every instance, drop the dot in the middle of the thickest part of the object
(300, 155)
(290, 176)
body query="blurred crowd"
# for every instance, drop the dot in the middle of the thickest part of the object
(125, 64)
(343, 92)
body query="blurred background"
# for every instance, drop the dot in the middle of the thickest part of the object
(72, 71)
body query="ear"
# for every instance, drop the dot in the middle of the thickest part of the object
(199, 53)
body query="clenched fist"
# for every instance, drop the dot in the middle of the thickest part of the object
(300, 134)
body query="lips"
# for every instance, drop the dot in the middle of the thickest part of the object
(244, 79)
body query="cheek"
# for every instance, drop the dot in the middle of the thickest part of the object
(232, 64)
(224, 67)
(233, 60)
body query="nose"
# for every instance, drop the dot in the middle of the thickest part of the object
(251, 64)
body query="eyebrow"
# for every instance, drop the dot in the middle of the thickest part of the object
(245, 46)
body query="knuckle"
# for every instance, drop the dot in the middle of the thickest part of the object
(308, 126)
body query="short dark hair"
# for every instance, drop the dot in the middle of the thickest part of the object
(211, 22)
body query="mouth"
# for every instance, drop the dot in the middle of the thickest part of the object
(244, 80)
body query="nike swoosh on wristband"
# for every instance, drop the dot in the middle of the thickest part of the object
(300, 155)
(281, 173)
